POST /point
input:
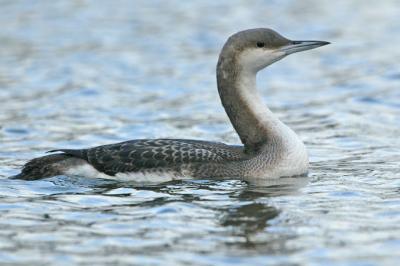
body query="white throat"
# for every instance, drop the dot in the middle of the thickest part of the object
(254, 60)
(294, 154)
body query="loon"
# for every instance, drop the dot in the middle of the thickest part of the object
(270, 148)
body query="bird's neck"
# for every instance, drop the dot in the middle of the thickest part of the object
(255, 124)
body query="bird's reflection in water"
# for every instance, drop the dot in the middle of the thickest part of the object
(250, 220)
(247, 220)
(244, 210)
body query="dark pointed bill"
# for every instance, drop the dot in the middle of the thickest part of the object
(299, 46)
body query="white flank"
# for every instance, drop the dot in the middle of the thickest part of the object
(88, 171)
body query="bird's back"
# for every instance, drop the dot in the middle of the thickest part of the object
(177, 156)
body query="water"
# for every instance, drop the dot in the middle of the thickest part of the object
(83, 73)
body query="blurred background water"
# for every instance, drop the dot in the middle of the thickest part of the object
(82, 73)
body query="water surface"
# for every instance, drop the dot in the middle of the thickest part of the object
(83, 73)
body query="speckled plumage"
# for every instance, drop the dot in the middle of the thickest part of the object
(148, 154)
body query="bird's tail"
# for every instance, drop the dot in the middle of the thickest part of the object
(42, 167)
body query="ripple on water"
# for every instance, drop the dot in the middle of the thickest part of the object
(76, 74)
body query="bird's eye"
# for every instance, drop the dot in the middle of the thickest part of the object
(260, 44)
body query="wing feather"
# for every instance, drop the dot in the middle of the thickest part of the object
(137, 155)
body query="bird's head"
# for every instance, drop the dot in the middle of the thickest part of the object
(254, 49)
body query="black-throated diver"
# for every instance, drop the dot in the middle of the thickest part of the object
(270, 148)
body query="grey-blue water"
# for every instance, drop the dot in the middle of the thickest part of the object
(83, 73)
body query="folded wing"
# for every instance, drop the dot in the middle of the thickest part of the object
(139, 155)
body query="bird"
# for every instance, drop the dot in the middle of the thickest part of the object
(269, 149)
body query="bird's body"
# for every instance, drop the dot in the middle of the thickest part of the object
(270, 149)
